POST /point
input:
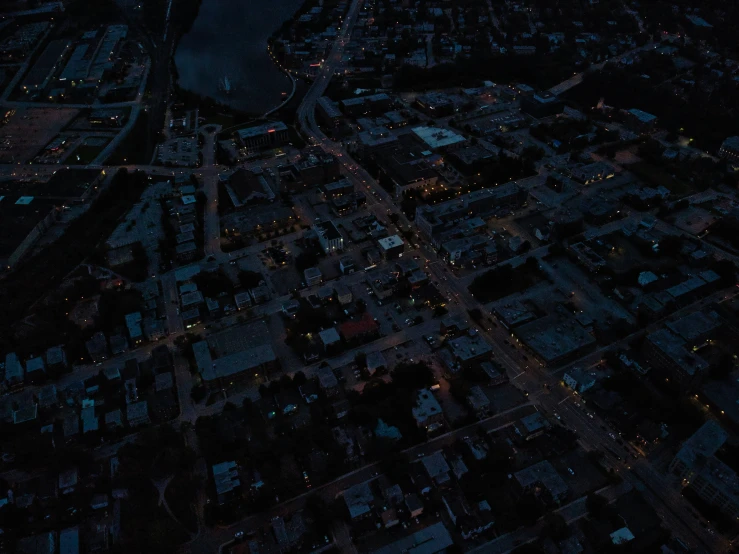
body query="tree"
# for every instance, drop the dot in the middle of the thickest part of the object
(555, 527)
(299, 379)
(596, 505)
(250, 279)
(360, 358)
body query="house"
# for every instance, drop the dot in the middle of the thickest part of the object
(427, 411)
(90, 421)
(13, 371)
(329, 338)
(135, 331)
(437, 468)
(343, 294)
(56, 359)
(137, 413)
(531, 426)
(44, 543)
(544, 481)
(413, 504)
(375, 362)
(35, 369)
(97, 347)
(478, 401)
(327, 380)
(359, 501)
(578, 380)
(227, 482)
(313, 276)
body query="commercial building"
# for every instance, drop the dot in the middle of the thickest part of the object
(367, 105)
(329, 111)
(703, 444)
(640, 121)
(668, 353)
(329, 237)
(46, 65)
(434, 220)
(391, 247)
(437, 138)
(542, 104)
(435, 104)
(593, 173)
(268, 135)
(247, 352)
(578, 380)
(730, 149)
(337, 189)
(434, 539)
(406, 164)
(555, 340)
(469, 349)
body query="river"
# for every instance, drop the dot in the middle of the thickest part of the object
(229, 39)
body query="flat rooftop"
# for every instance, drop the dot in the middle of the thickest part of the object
(553, 338)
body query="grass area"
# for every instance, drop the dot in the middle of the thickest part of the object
(86, 153)
(658, 176)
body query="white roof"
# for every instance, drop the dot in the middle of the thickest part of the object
(390, 242)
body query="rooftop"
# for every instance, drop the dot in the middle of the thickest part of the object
(468, 348)
(430, 540)
(435, 137)
(390, 242)
(553, 338)
(358, 499)
(542, 473)
(426, 406)
(674, 347)
(704, 443)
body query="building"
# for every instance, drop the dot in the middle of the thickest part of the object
(435, 104)
(453, 325)
(359, 501)
(434, 539)
(97, 347)
(578, 380)
(478, 402)
(248, 354)
(593, 173)
(391, 247)
(468, 349)
(542, 104)
(327, 381)
(531, 426)
(437, 468)
(35, 369)
(640, 121)
(730, 149)
(329, 111)
(46, 65)
(337, 189)
(367, 105)
(69, 541)
(137, 414)
(313, 276)
(268, 135)
(360, 329)
(713, 480)
(703, 444)
(434, 220)
(439, 139)
(133, 324)
(427, 411)
(14, 373)
(543, 481)
(227, 482)
(329, 237)
(667, 352)
(555, 340)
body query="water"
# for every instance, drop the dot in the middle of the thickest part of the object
(229, 38)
